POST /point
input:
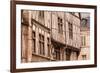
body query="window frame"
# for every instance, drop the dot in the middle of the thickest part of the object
(60, 25)
(41, 44)
(70, 28)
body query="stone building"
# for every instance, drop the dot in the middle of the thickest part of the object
(50, 35)
(85, 39)
(66, 35)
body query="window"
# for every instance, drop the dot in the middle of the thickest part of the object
(70, 30)
(41, 45)
(84, 57)
(83, 40)
(84, 23)
(34, 41)
(72, 13)
(48, 46)
(68, 52)
(41, 14)
(24, 17)
(57, 54)
(60, 25)
(74, 55)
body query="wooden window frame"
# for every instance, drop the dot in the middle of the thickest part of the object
(70, 27)
(48, 46)
(83, 57)
(60, 25)
(41, 44)
(83, 41)
(41, 14)
(34, 41)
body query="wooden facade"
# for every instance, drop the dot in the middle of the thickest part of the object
(50, 36)
(73, 39)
